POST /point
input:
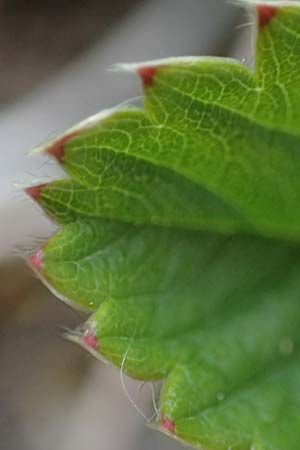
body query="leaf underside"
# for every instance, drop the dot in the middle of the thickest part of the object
(180, 233)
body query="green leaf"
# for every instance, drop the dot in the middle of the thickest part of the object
(180, 233)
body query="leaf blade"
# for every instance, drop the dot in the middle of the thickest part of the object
(181, 235)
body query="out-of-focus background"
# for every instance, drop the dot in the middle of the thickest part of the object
(54, 56)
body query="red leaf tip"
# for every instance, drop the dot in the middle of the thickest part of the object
(167, 424)
(90, 339)
(35, 191)
(57, 149)
(36, 260)
(147, 74)
(265, 14)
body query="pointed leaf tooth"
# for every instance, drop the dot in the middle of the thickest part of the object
(167, 424)
(36, 260)
(147, 74)
(265, 14)
(35, 191)
(57, 148)
(90, 339)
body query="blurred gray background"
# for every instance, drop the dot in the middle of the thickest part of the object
(54, 56)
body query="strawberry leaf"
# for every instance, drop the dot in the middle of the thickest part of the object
(180, 233)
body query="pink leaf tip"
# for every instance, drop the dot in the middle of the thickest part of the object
(90, 339)
(147, 74)
(35, 191)
(167, 424)
(36, 260)
(265, 14)
(57, 149)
